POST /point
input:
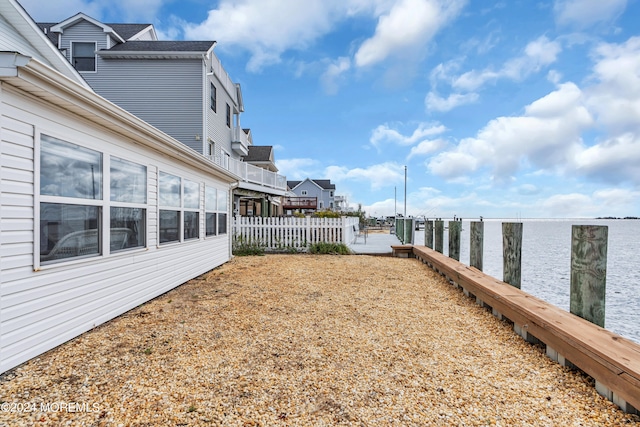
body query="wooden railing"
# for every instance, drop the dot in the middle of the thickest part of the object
(300, 203)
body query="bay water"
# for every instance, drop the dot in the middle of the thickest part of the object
(546, 264)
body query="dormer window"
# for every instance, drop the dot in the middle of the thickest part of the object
(83, 56)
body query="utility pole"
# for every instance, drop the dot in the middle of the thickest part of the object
(405, 191)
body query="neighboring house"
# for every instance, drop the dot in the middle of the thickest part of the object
(255, 203)
(310, 195)
(99, 210)
(180, 87)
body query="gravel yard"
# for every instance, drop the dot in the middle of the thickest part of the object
(304, 340)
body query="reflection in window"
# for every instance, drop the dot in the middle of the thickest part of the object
(128, 181)
(127, 228)
(191, 195)
(68, 231)
(222, 212)
(169, 190)
(68, 170)
(169, 226)
(210, 205)
(222, 223)
(191, 225)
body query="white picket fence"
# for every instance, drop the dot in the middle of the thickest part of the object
(291, 232)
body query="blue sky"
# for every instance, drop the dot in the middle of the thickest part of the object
(519, 108)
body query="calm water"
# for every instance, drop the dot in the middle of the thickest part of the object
(546, 264)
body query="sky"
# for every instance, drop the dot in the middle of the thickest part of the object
(500, 109)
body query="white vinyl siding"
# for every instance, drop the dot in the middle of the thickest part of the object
(43, 306)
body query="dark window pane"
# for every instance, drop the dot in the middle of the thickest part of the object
(211, 224)
(191, 225)
(84, 56)
(68, 231)
(169, 226)
(222, 223)
(127, 228)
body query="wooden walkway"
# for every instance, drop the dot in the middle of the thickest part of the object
(612, 360)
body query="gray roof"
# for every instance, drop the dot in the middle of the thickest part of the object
(323, 183)
(162, 46)
(259, 153)
(45, 27)
(127, 31)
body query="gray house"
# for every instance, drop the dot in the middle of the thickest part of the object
(180, 87)
(310, 195)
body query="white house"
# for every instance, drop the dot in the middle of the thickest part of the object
(99, 210)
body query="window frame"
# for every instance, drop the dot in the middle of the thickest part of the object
(213, 97)
(103, 203)
(95, 56)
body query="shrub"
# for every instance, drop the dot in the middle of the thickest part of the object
(244, 247)
(329, 248)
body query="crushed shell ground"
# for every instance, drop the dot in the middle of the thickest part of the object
(303, 340)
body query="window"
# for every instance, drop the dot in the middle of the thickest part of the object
(169, 199)
(70, 194)
(179, 208)
(191, 219)
(128, 188)
(210, 207)
(214, 98)
(303, 192)
(84, 56)
(72, 203)
(228, 116)
(222, 212)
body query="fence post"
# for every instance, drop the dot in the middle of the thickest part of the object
(477, 241)
(455, 228)
(589, 272)
(512, 253)
(428, 234)
(439, 236)
(408, 231)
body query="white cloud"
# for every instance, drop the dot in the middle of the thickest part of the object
(537, 54)
(427, 147)
(267, 28)
(434, 102)
(378, 176)
(547, 136)
(570, 205)
(586, 13)
(334, 74)
(385, 134)
(407, 27)
(614, 160)
(616, 96)
(297, 169)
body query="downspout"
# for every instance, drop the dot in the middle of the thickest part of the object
(232, 187)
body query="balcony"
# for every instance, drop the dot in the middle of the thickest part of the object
(251, 174)
(240, 141)
(300, 203)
